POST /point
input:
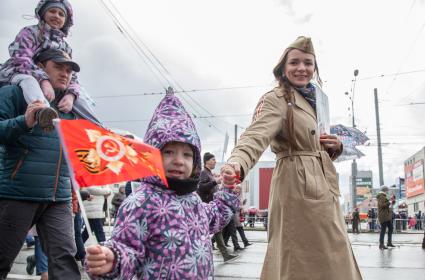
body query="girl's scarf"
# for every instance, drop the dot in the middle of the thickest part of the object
(182, 187)
(309, 94)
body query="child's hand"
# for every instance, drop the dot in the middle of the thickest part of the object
(66, 103)
(47, 89)
(100, 259)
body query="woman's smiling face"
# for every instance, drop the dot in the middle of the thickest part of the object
(299, 67)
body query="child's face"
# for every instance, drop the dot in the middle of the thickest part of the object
(178, 160)
(55, 17)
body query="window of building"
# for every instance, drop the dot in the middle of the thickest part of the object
(415, 207)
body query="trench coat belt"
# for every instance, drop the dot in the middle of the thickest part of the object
(325, 162)
(285, 154)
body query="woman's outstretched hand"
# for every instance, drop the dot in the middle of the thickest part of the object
(100, 259)
(230, 173)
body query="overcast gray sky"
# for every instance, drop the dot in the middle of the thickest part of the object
(221, 44)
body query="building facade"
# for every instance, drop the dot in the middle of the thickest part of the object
(414, 182)
(364, 183)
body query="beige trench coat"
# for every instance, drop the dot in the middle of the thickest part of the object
(307, 236)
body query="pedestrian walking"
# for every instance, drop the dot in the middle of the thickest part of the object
(117, 199)
(229, 232)
(419, 220)
(237, 219)
(385, 217)
(94, 211)
(370, 219)
(356, 221)
(306, 228)
(34, 180)
(208, 185)
(252, 216)
(412, 222)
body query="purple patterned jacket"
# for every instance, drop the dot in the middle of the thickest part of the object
(159, 234)
(34, 39)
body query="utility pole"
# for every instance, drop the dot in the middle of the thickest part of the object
(354, 183)
(354, 163)
(378, 132)
(236, 134)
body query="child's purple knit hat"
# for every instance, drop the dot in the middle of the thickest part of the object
(171, 122)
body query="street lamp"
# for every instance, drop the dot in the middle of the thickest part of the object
(354, 163)
(353, 87)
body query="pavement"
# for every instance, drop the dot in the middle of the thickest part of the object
(406, 261)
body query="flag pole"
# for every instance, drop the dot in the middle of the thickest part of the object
(91, 240)
(108, 215)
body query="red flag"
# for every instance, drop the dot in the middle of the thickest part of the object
(100, 157)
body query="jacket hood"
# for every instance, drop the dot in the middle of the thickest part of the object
(171, 123)
(69, 18)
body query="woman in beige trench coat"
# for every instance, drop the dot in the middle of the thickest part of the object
(307, 235)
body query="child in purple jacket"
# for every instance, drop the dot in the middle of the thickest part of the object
(160, 232)
(55, 19)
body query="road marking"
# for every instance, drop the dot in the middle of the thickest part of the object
(20, 276)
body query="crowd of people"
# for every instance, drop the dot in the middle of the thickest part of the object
(166, 230)
(400, 219)
(385, 219)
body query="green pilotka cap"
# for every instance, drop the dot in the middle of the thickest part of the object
(302, 43)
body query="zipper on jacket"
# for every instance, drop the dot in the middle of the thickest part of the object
(57, 172)
(19, 164)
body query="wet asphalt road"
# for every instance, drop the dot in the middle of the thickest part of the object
(405, 262)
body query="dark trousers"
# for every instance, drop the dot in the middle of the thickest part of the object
(96, 226)
(355, 227)
(78, 227)
(384, 227)
(218, 238)
(242, 234)
(230, 232)
(54, 227)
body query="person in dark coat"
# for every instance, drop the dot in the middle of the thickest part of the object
(237, 218)
(207, 187)
(34, 180)
(370, 217)
(118, 199)
(385, 217)
(207, 181)
(356, 221)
